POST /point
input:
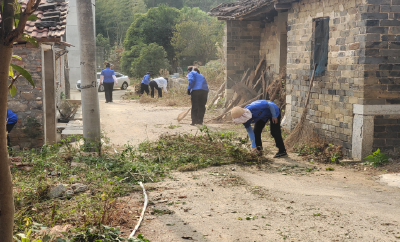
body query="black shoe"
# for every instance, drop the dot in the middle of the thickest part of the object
(106, 102)
(280, 154)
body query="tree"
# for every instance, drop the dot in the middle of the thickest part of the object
(113, 17)
(12, 27)
(205, 5)
(90, 98)
(104, 43)
(151, 57)
(155, 26)
(197, 35)
(171, 3)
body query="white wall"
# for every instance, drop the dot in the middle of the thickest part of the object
(73, 38)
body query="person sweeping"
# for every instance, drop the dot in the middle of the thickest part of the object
(198, 89)
(259, 112)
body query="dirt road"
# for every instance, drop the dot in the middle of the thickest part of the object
(284, 200)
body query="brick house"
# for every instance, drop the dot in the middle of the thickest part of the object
(36, 107)
(355, 98)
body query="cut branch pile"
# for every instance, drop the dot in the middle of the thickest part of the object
(260, 84)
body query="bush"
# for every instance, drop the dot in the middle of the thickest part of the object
(377, 158)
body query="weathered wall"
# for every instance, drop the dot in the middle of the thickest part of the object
(274, 43)
(242, 48)
(334, 93)
(28, 103)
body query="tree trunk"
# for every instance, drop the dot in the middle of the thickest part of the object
(90, 98)
(6, 187)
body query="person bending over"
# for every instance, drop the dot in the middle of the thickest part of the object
(159, 84)
(12, 119)
(198, 89)
(144, 86)
(259, 112)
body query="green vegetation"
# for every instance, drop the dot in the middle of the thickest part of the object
(94, 211)
(377, 158)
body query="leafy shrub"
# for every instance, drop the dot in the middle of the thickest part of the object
(377, 158)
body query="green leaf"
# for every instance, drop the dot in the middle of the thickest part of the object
(24, 73)
(17, 57)
(30, 39)
(13, 91)
(32, 17)
(10, 72)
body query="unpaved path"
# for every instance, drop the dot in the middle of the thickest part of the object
(277, 201)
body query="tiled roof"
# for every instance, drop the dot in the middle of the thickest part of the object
(51, 22)
(241, 8)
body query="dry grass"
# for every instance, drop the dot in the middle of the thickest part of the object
(147, 99)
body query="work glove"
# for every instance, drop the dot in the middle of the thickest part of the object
(188, 92)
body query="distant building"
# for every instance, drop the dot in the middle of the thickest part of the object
(73, 38)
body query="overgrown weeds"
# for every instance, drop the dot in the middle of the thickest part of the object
(110, 176)
(320, 152)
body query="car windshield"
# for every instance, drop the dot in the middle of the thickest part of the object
(98, 76)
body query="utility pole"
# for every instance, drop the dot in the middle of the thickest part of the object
(89, 95)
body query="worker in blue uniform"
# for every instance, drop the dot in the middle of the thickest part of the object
(12, 120)
(259, 112)
(198, 89)
(144, 85)
(107, 79)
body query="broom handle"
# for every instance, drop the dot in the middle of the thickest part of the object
(309, 89)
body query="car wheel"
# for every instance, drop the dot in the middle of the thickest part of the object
(124, 86)
(101, 88)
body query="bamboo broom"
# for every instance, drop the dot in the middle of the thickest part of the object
(301, 131)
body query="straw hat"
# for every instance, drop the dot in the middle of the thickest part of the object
(236, 112)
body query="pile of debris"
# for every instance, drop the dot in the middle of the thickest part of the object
(260, 84)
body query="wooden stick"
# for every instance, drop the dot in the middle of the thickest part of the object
(144, 209)
(244, 104)
(220, 90)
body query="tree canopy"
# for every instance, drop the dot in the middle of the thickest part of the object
(113, 17)
(155, 26)
(196, 35)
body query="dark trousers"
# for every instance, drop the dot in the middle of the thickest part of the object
(199, 100)
(9, 127)
(275, 130)
(108, 89)
(153, 85)
(144, 88)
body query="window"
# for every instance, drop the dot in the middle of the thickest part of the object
(117, 74)
(320, 45)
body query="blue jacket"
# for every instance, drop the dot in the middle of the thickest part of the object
(262, 110)
(197, 81)
(146, 79)
(108, 73)
(12, 117)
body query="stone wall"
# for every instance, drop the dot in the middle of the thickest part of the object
(242, 48)
(387, 133)
(341, 86)
(28, 103)
(274, 43)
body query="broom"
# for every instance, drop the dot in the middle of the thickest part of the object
(183, 115)
(302, 131)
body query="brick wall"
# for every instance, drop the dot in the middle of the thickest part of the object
(382, 51)
(272, 37)
(27, 103)
(334, 93)
(387, 133)
(242, 48)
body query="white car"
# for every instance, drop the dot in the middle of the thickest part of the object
(123, 82)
